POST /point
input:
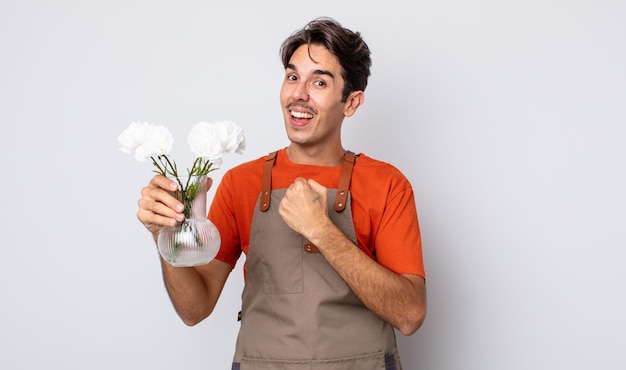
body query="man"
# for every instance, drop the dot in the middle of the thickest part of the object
(332, 240)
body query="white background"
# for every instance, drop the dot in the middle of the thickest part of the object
(508, 117)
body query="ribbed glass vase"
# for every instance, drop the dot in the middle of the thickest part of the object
(194, 241)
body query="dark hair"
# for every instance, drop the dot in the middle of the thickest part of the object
(348, 46)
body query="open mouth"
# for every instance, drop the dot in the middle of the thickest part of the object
(301, 115)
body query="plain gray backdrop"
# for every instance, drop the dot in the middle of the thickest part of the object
(508, 117)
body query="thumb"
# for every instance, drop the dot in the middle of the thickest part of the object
(316, 186)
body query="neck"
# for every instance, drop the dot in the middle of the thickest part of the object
(317, 156)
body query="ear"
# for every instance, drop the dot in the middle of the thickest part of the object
(355, 99)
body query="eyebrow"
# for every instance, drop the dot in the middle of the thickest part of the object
(315, 72)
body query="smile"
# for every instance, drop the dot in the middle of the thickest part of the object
(301, 115)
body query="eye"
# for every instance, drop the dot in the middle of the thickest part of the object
(319, 83)
(291, 77)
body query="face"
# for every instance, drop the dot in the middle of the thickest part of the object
(311, 98)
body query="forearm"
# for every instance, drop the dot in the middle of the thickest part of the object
(398, 299)
(193, 295)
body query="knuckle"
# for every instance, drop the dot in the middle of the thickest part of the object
(144, 191)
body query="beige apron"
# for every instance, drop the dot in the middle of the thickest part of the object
(297, 312)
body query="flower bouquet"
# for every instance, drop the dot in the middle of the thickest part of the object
(194, 241)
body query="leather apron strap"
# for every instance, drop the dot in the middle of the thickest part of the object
(267, 182)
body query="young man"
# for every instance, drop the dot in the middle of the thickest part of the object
(332, 240)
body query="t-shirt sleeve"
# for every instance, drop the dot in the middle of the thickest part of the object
(222, 214)
(398, 243)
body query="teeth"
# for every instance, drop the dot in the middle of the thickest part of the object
(301, 115)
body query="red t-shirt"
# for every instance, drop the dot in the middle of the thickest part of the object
(383, 208)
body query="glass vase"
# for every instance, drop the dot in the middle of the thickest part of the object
(196, 240)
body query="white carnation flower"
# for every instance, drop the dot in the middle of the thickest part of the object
(146, 139)
(234, 141)
(211, 140)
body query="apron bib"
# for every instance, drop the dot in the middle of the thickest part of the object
(297, 312)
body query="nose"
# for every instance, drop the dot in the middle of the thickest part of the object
(300, 91)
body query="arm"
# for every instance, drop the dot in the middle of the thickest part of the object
(398, 299)
(194, 291)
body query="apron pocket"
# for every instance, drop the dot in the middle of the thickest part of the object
(282, 268)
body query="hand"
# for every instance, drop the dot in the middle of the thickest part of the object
(158, 207)
(304, 207)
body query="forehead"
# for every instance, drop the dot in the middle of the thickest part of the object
(308, 57)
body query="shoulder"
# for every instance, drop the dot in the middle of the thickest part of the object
(379, 171)
(247, 166)
(240, 185)
(249, 173)
(250, 168)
